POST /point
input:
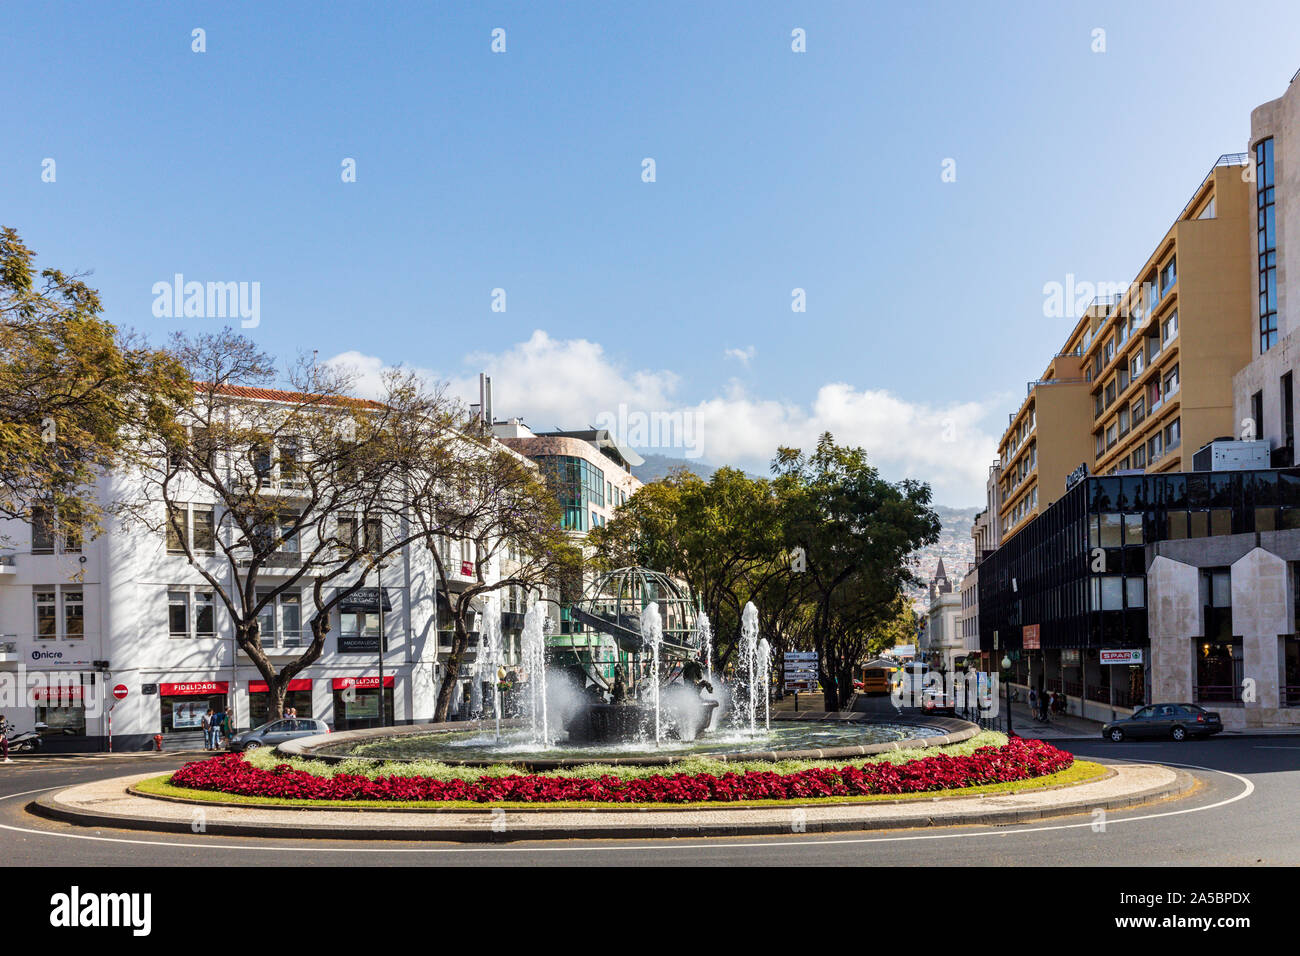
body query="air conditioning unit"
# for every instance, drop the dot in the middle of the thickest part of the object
(1226, 454)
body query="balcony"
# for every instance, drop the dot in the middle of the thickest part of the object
(8, 649)
(8, 566)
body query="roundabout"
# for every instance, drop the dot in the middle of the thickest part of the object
(953, 777)
(1232, 816)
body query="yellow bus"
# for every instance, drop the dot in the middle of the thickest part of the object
(878, 678)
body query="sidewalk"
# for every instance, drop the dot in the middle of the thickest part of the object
(1070, 727)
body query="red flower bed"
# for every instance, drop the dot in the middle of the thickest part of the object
(1019, 759)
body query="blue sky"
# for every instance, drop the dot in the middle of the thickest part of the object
(522, 171)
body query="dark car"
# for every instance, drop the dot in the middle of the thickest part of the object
(1176, 721)
(277, 732)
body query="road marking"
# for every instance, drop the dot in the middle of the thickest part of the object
(1247, 790)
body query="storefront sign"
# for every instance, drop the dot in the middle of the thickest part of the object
(360, 683)
(202, 688)
(1121, 657)
(261, 687)
(1076, 476)
(358, 644)
(1029, 637)
(63, 695)
(365, 599)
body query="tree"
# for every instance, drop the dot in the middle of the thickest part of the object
(494, 501)
(70, 383)
(306, 486)
(858, 533)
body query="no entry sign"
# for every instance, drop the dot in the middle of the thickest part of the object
(120, 692)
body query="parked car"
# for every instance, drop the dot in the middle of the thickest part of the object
(1176, 721)
(277, 732)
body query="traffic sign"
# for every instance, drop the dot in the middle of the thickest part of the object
(120, 692)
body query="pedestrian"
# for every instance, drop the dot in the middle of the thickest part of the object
(1033, 702)
(4, 739)
(207, 730)
(218, 718)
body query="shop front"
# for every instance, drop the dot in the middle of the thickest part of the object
(62, 711)
(297, 697)
(183, 706)
(357, 701)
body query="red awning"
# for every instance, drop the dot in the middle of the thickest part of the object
(261, 687)
(199, 688)
(361, 683)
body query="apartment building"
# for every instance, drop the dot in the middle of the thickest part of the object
(1161, 361)
(1046, 438)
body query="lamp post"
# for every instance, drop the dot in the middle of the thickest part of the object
(1006, 669)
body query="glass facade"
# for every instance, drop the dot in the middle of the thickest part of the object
(1267, 243)
(1079, 570)
(579, 485)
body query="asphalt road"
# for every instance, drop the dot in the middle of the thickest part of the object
(1242, 814)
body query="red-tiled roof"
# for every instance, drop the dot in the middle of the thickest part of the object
(279, 395)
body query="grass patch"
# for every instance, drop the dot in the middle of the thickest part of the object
(267, 759)
(1080, 772)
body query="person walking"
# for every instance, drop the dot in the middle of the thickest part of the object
(218, 724)
(207, 730)
(1033, 703)
(4, 739)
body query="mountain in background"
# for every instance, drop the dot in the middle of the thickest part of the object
(658, 466)
(954, 545)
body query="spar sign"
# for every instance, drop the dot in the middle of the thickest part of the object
(1121, 657)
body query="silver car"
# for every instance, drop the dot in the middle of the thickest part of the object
(277, 732)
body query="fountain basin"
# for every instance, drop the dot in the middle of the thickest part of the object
(807, 737)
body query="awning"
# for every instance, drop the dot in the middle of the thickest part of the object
(261, 687)
(361, 683)
(365, 599)
(201, 688)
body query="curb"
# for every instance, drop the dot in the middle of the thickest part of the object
(51, 808)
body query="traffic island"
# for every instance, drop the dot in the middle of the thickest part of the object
(125, 803)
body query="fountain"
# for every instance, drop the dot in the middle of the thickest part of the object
(629, 678)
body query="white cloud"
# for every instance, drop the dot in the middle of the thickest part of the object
(743, 356)
(570, 383)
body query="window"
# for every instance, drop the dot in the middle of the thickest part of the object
(190, 612)
(1257, 414)
(280, 620)
(178, 613)
(42, 531)
(1139, 457)
(1266, 244)
(47, 622)
(1111, 436)
(347, 532)
(1288, 420)
(1171, 381)
(1169, 329)
(1155, 448)
(1136, 366)
(1168, 275)
(1139, 411)
(46, 533)
(195, 524)
(74, 614)
(1173, 434)
(1123, 421)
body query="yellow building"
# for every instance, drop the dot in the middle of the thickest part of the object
(1047, 437)
(1145, 377)
(1161, 362)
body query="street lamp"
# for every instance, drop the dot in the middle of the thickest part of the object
(1006, 669)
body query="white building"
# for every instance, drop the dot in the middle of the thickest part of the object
(128, 611)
